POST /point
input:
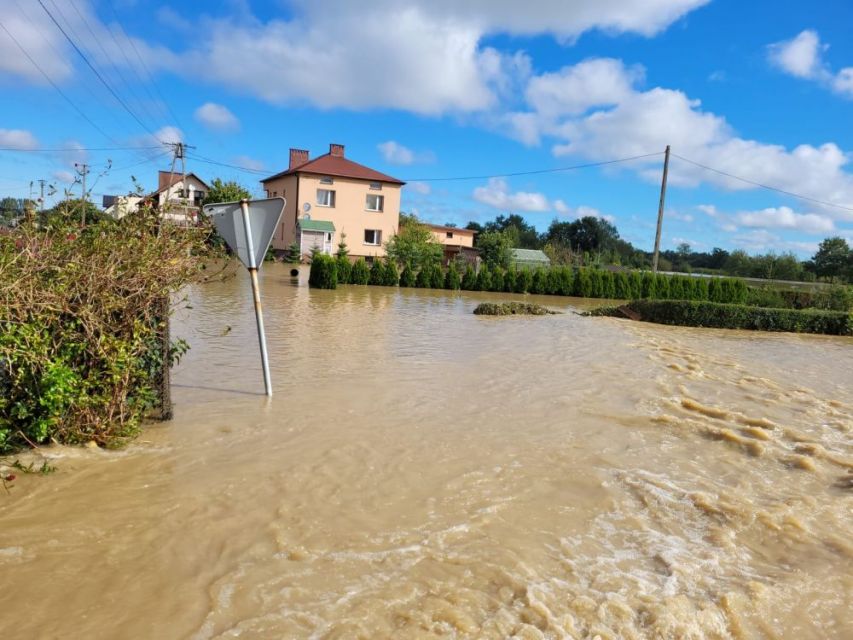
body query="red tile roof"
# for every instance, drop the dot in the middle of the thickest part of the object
(330, 165)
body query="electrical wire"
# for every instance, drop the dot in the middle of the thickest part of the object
(95, 71)
(763, 186)
(56, 87)
(538, 171)
(149, 148)
(199, 158)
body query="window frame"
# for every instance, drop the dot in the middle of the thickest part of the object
(377, 237)
(380, 200)
(376, 186)
(331, 198)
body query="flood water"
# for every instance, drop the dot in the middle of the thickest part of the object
(425, 473)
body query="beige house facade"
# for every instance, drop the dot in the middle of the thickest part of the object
(333, 196)
(458, 243)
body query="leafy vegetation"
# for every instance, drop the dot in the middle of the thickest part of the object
(324, 272)
(733, 316)
(82, 315)
(511, 309)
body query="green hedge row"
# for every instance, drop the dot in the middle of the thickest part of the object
(832, 298)
(561, 281)
(690, 313)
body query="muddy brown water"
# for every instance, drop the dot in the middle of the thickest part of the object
(425, 473)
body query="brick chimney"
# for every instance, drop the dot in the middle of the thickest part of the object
(336, 150)
(298, 157)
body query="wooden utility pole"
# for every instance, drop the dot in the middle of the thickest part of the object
(660, 210)
(83, 170)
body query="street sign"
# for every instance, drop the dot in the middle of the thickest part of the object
(265, 215)
(247, 227)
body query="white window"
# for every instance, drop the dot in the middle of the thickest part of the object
(372, 236)
(374, 202)
(326, 180)
(325, 198)
(376, 186)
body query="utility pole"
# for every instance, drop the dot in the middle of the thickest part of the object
(660, 210)
(41, 197)
(83, 170)
(179, 153)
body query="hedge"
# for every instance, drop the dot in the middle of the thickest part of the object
(559, 280)
(690, 313)
(324, 272)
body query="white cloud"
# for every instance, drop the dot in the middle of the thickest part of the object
(395, 153)
(432, 61)
(591, 83)
(18, 139)
(64, 176)
(496, 194)
(217, 117)
(168, 134)
(802, 57)
(422, 188)
(786, 218)
(760, 241)
(72, 152)
(249, 163)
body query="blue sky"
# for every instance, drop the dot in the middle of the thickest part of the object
(428, 89)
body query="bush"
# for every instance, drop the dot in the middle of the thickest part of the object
(360, 273)
(736, 316)
(344, 269)
(511, 309)
(423, 280)
(407, 276)
(835, 298)
(452, 279)
(498, 279)
(82, 321)
(377, 273)
(469, 280)
(390, 276)
(539, 283)
(484, 278)
(436, 276)
(764, 297)
(510, 280)
(523, 281)
(324, 272)
(583, 283)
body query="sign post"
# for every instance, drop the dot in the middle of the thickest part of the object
(233, 221)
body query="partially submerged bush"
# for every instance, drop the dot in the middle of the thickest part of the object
(733, 316)
(511, 309)
(324, 272)
(82, 317)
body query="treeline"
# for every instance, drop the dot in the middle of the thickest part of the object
(592, 241)
(327, 272)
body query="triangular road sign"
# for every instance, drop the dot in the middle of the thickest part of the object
(264, 216)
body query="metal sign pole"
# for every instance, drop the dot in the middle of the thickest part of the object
(256, 292)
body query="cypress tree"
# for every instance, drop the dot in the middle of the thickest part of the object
(649, 289)
(407, 277)
(497, 279)
(523, 281)
(377, 272)
(360, 273)
(469, 280)
(452, 279)
(390, 276)
(344, 269)
(662, 287)
(510, 280)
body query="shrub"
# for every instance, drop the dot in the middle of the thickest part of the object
(423, 279)
(498, 279)
(484, 278)
(469, 280)
(676, 289)
(377, 273)
(635, 285)
(583, 283)
(835, 298)
(360, 273)
(649, 290)
(764, 297)
(436, 276)
(621, 286)
(539, 283)
(390, 276)
(608, 285)
(324, 272)
(407, 276)
(344, 269)
(510, 280)
(511, 309)
(736, 316)
(523, 281)
(661, 287)
(452, 279)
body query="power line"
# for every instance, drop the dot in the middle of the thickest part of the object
(143, 65)
(55, 86)
(225, 164)
(537, 171)
(94, 70)
(764, 186)
(149, 148)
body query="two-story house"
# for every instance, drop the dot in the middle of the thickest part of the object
(330, 196)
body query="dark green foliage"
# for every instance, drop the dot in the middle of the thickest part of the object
(635, 286)
(390, 276)
(377, 273)
(523, 281)
(700, 289)
(510, 278)
(360, 273)
(835, 298)
(621, 286)
(539, 284)
(511, 309)
(735, 316)
(469, 280)
(583, 283)
(676, 289)
(407, 276)
(293, 253)
(423, 279)
(498, 279)
(608, 285)
(649, 289)
(662, 287)
(484, 278)
(452, 279)
(436, 276)
(324, 272)
(344, 269)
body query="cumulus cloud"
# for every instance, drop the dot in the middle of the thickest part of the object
(63, 176)
(432, 62)
(802, 57)
(761, 240)
(497, 194)
(421, 188)
(249, 163)
(395, 153)
(217, 117)
(18, 139)
(786, 218)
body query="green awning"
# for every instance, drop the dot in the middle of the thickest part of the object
(317, 225)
